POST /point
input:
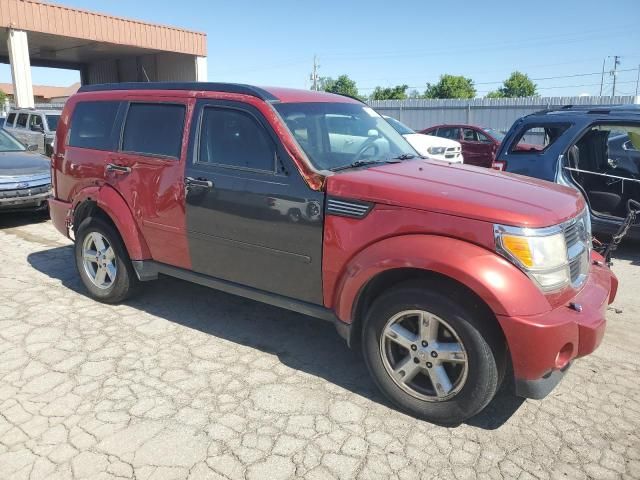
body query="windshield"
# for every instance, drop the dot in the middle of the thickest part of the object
(400, 127)
(495, 134)
(52, 121)
(9, 144)
(334, 135)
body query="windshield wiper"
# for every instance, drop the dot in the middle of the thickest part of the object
(404, 156)
(358, 163)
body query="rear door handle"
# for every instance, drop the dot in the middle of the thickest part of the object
(198, 182)
(112, 167)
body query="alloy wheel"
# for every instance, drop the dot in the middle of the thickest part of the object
(99, 260)
(424, 355)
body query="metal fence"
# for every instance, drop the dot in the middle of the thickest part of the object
(491, 113)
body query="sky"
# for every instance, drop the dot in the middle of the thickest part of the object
(561, 44)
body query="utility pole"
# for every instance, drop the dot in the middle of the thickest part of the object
(314, 75)
(637, 80)
(604, 60)
(614, 72)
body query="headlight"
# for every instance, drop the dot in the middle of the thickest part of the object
(540, 253)
(436, 150)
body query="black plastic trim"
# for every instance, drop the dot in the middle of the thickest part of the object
(193, 86)
(149, 270)
(541, 387)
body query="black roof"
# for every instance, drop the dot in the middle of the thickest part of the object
(197, 86)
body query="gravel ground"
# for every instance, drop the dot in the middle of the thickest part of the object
(186, 382)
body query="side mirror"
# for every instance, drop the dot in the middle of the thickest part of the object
(37, 128)
(32, 148)
(373, 133)
(628, 145)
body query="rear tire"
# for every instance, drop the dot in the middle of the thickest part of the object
(451, 361)
(103, 262)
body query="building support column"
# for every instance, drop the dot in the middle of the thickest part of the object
(18, 47)
(201, 69)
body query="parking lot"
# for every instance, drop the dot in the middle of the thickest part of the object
(187, 382)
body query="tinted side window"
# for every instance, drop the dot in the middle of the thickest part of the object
(10, 119)
(93, 125)
(35, 121)
(234, 138)
(154, 129)
(22, 120)
(483, 138)
(469, 135)
(448, 132)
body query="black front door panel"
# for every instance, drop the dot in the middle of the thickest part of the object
(251, 219)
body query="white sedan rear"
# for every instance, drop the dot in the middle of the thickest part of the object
(429, 145)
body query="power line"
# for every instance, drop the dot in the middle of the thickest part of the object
(562, 76)
(534, 42)
(539, 88)
(576, 75)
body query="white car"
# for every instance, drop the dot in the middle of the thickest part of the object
(428, 145)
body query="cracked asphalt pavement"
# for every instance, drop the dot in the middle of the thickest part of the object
(186, 382)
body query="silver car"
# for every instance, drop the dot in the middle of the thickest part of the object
(34, 127)
(25, 176)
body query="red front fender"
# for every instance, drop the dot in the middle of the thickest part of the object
(505, 289)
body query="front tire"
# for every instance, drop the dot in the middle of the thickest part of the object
(433, 357)
(103, 263)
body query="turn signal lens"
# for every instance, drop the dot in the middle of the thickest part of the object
(519, 248)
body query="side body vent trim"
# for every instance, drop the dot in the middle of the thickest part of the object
(348, 208)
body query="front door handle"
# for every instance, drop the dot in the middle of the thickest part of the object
(198, 183)
(112, 167)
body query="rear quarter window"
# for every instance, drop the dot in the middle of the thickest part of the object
(10, 119)
(537, 138)
(154, 129)
(93, 125)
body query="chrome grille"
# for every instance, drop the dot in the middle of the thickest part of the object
(25, 192)
(348, 208)
(578, 241)
(452, 152)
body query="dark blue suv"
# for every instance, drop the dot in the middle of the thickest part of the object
(595, 149)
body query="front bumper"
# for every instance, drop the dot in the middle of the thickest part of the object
(543, 346)
(36, 201)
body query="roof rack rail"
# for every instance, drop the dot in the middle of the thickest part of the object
(592, 109)
(197, 86)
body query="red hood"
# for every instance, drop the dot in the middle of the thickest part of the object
(461, 190)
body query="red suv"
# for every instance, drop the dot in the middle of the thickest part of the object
(479, 145)
(443, 274)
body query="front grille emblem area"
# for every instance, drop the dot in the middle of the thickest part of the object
(348, 208)
(22, 185)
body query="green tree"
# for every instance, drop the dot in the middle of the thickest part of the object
(399, 92)
(324, 83)
(2, 97)
(517, 85)
(343, 85)
(451, 86)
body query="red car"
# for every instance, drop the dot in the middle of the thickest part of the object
(479, 145)
(445, 275)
